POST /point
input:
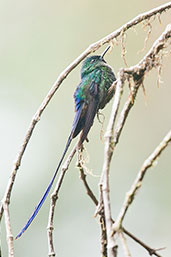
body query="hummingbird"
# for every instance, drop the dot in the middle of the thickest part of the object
(95, 90)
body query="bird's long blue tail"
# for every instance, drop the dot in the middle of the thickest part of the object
(47, 190)
(75, 126)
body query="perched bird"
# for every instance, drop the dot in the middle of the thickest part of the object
(93, 93)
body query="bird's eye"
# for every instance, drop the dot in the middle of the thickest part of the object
(93, 60)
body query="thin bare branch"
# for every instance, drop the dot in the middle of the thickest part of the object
(138, 181)
(150, 250)
(54, 198)
(138, 19)
(88, 189)
(124, 244)
(104, 181)
(9, 235)
(103, 237)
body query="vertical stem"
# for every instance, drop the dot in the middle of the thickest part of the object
(54, 198)
(8, 230)
(104, 182)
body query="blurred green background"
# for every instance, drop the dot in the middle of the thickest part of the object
(38, 40)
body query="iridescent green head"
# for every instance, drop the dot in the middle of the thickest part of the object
(92, 62)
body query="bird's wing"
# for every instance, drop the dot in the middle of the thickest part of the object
(86, 105)
(79, 119)
(91, 111)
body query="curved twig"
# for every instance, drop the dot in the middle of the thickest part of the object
(138, 181)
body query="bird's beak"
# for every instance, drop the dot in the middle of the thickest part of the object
(105, 51)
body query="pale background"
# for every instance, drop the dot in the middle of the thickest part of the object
(38, 40)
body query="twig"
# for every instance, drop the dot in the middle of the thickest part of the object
(8, 229)
(88, 189)
(150, 250)
(138, 19)
(104, 181)
(54, 198)
(101, 212)
(138, 181)
(62, 76)
(92, 196)
(124, 244)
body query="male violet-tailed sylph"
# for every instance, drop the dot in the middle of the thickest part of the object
(93, 93)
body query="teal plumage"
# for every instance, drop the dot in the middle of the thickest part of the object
(92, 94)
